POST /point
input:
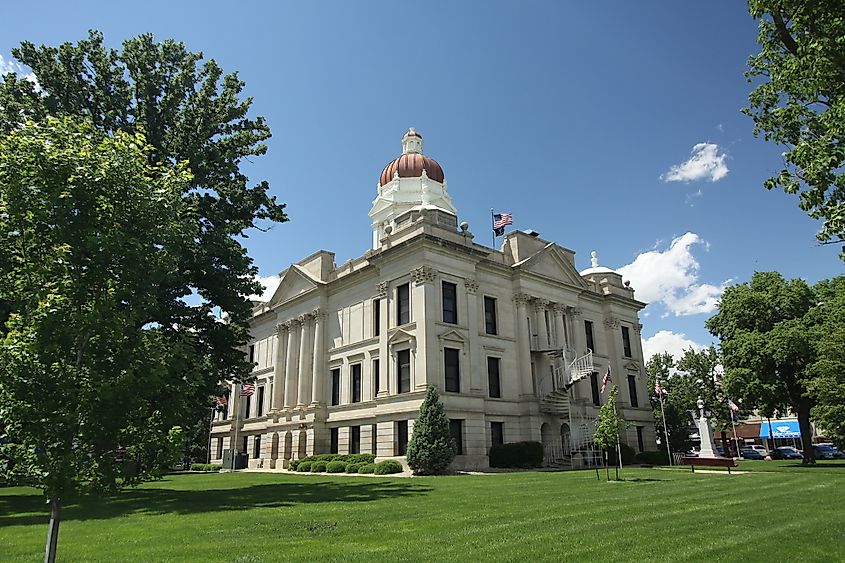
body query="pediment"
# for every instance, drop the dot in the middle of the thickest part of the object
(632, 366)
(551, 262)
(401, 336)
(452, 335)
(295, 282)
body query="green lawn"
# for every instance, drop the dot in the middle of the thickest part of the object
(778, 511)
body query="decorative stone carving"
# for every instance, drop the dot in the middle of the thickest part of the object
(611, 322)
(281, 327)
(575, 311)
(317, 314)
(381, 290)
(560, 309)
(521, 299)
(423, 275)
(541, 304)
(472, 286)
(638, 328)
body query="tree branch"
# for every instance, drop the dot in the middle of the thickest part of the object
(783, 33)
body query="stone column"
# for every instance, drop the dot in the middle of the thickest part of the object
(279, 369)
(523, 340)
(305, 347)
(385, 363)
(560, 327)
(540, 306)
(579, 339)
(423, 303)
(318, 376)
(476, 367)
(290, 375)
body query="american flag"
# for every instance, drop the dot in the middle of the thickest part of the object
(605, 380)
(658, 390)
(734, 409)
(247, 389)
(500, 220)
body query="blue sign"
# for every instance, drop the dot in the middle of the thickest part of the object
(781, 429)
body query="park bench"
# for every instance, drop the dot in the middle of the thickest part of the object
(709, 462)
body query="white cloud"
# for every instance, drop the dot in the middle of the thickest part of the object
(270, 283)
(706, 163)
(667, 341)
(670, 277)
(14, 66)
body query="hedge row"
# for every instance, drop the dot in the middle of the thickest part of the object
(206, 467)
(385, 467)
(346, 458)
(517, 454)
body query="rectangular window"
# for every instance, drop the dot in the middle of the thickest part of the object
(219, 448)
(226, 409)
(259, 407)
(256, 447)
(456, 429)
(376, 377)
(335, 386)
(244, 444)
(497, 433)
(453, 370)
(252, 353)
(333, 440)
(247, 405)
(401, 437)
(490, 326)
(354, 439)
(640, 443)
(594, 386)
(376, 317)
(403, 371)
(450, 303)
(588, 331)
(493, 382)
(374, 439)
(403, 304)
(548, 327)
(626, 342)
(632, 390)
(356, 383)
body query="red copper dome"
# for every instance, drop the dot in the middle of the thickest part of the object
(411, 166)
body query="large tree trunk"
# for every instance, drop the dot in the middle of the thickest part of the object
(725, 447)
(806, 431)
(53, 531)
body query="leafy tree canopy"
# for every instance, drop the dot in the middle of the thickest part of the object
(800, 102)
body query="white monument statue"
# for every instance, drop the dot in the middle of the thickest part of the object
(705, 431)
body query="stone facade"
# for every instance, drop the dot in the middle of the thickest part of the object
(344, 353)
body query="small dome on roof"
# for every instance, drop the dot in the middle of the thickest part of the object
(594, 266)
(412, 162)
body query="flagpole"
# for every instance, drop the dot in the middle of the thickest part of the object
(618, 449)
(210, 426)
(493, 224)
(235, 416)
(733, 425)
(665, 429)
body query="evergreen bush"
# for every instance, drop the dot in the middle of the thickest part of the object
(354, 467)
(336, 467)
(294, 463)
(431, 448)
(517, 454)
(318, 467)
(303, 466)
(367, 468)
(651, 458)
(387, 467)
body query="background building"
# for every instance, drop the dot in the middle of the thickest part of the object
(516, 340)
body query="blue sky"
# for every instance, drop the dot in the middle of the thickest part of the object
(607, 127)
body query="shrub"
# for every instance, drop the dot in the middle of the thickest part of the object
(651, 458)
(324, 457)
(294, 463)
(432, 447)
(358, 458)
(517, 454)
(318, 467)
(336, 467)
(206, 467)
(353, 467)
(367, 468)
(387, 467)
(303, 466)
(628, 455)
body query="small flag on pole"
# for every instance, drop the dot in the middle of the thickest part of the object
(247, 389)
(658, 389)
(500, 221)
(605, 380)
(734, 409)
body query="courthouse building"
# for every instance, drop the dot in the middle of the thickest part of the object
(515, 339)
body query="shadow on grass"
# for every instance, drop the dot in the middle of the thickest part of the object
(22, 510)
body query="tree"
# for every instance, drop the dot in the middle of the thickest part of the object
(677, 413)
(152, 366)
(432, 447)
(606, 435)
(767, 346)
(826, 382)
(800, 102)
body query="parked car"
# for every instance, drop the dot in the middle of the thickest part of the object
(785, 452)
(751, 453)
(827, 451)
(757, 448)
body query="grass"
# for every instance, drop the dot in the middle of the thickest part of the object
(776, 511)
